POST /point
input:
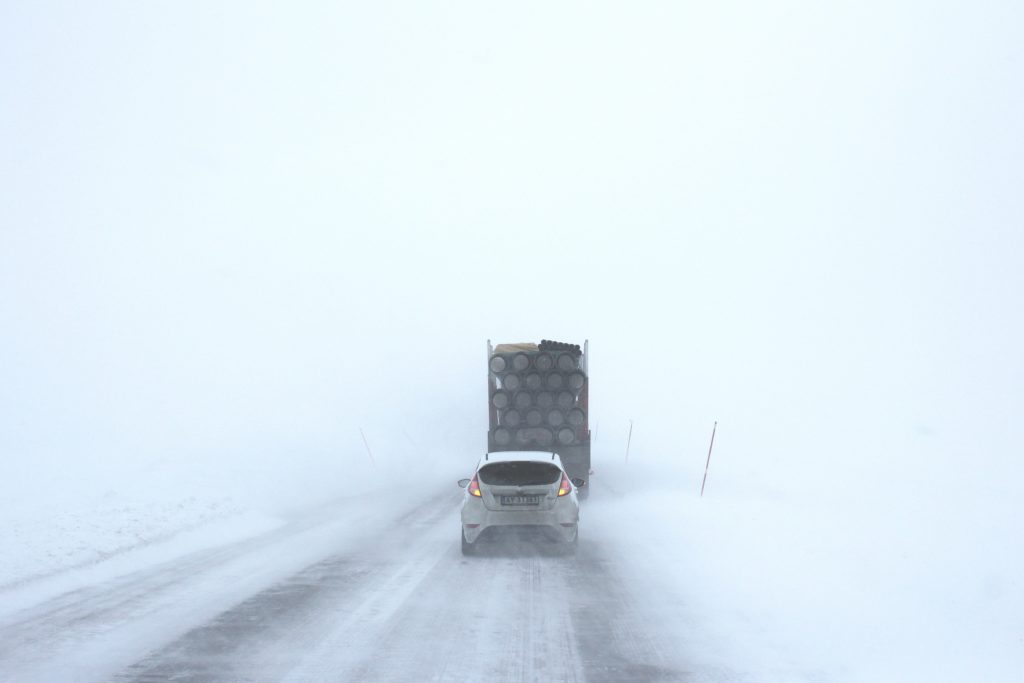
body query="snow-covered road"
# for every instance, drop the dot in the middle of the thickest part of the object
(341, 595)
(666, 586)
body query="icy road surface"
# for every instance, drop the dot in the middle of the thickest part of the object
(397, 606)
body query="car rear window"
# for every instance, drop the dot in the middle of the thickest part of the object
(519, 473)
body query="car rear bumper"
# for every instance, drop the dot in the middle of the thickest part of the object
(559, 522)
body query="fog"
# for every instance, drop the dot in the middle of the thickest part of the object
(233, 236)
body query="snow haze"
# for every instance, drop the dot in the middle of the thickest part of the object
(232, 236)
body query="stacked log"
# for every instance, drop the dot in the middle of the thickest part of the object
(538, 395)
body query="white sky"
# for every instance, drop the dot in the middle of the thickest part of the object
(228, 226)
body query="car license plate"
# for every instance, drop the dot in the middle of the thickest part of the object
(520, 500)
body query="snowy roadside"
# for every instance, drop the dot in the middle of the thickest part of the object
(66, 530)
(798, 588)
(35, 544)
(211, 534)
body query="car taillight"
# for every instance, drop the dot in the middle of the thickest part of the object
(474, 488)
(564, 488)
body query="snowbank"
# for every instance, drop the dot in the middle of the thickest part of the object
(87, 513)
(799, 585)
(35, 543)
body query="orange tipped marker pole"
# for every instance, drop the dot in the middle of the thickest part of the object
(629, 439)
(367, 444)
(708, 463)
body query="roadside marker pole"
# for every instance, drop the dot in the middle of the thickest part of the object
(367, 444)
(708, 463)
(629, 439)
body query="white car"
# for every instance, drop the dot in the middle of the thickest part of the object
(513, 491)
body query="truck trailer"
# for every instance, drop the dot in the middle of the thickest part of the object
(538, 400)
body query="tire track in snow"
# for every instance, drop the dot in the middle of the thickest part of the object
(407, 606)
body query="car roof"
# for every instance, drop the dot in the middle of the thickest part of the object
(519, 456)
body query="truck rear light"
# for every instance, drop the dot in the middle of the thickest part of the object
(564, 489)
(474, 487)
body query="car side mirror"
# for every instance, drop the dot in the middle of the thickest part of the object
(578, 483)
(463, 483)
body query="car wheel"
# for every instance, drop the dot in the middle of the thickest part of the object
(467, 547)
